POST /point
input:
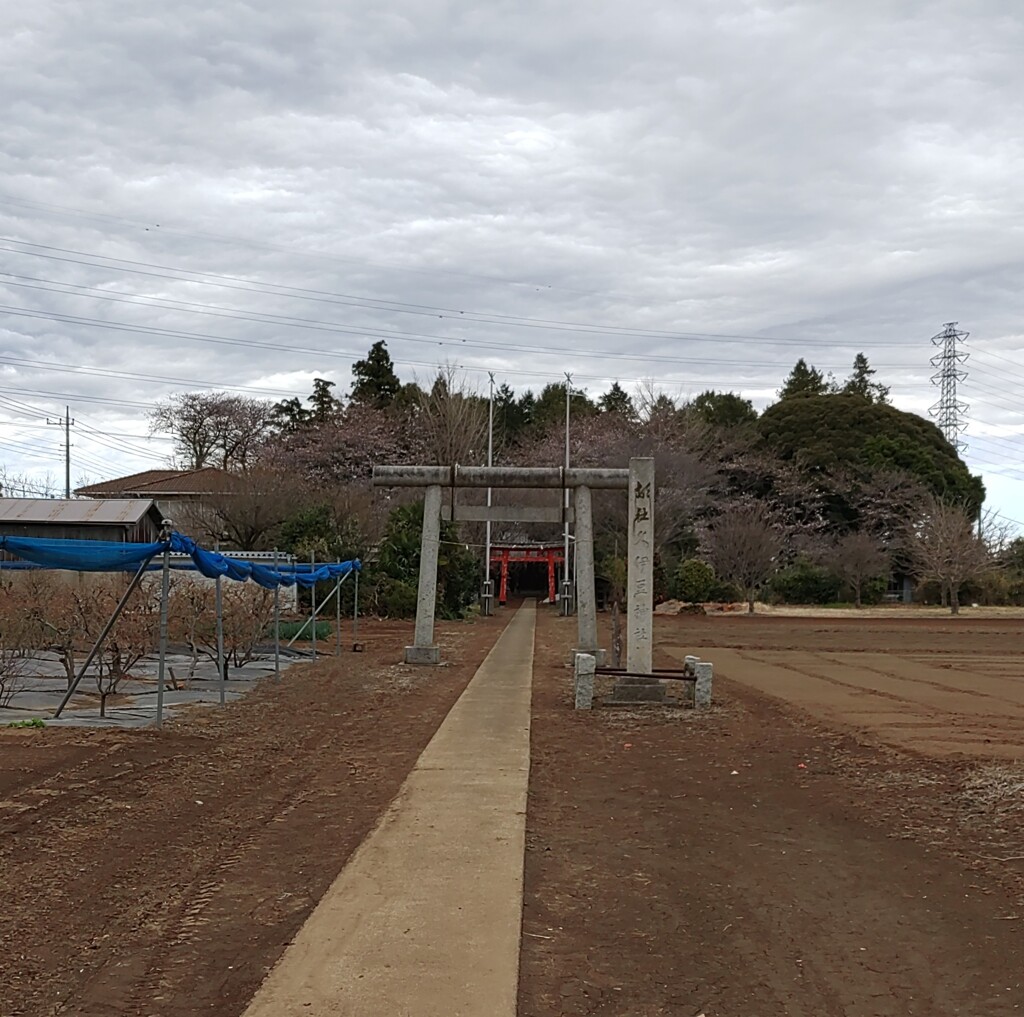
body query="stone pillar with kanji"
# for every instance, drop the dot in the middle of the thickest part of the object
(640, 567)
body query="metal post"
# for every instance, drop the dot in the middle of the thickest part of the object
(565, 561)
(67, 452)
(337, 616)
(355, 608)
(312, 620)
(488, 587)
(312, 601)
(219, 602)
(277, 622)
(165, 587)
(132, 586)
(65, 422)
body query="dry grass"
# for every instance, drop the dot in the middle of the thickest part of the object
(902, 611)
(996, 790)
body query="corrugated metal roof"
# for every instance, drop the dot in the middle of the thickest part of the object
(86, 511)
(207, 480)
(130, 483)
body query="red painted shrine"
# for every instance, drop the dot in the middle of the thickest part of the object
(508, 556)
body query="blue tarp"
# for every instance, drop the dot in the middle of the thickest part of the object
(106, 556)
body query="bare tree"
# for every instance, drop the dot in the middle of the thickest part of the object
(19, 642)
(883, 501)
(214, 428)
(946, 546)
(247, 512)
(14, 485)
(859, 557)
(133, 636)
(243, 429)
(452, 420)
(744, 544)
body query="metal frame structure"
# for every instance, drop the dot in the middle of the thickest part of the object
(949, 411)
(168, 561)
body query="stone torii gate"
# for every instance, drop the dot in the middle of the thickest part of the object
(638, 481)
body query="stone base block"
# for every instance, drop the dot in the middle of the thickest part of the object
(639, 690)
(600, 656)
(670, 701)
(423, 655)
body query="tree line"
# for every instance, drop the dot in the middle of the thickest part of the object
(828, 493)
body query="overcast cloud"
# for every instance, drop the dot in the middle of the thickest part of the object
(825, 177)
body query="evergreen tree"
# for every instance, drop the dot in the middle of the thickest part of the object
(323, 404)
(526, 410)
(408, 399)
(510, 416)
(617, 400)
(376, 383)
(804, 381)
(723, 409)
(290, 415)
(550, 406)
(860, 384)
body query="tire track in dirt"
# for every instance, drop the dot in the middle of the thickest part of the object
(773, 882)
(951, 721)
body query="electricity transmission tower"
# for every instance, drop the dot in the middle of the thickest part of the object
(948, 361)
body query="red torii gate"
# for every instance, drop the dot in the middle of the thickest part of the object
(534, 554)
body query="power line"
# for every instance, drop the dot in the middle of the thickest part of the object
(101, 372)
(350, 300)
(377, 332)
(264, 245)
(205, 337)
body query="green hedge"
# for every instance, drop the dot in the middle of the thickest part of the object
(324, 630)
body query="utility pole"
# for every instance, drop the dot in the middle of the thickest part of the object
(67, 423)
(488, 588)
(949, 410)
(565, 562)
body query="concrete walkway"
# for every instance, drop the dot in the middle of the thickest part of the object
(424, 921)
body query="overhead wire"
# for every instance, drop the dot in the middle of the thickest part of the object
(349, 300)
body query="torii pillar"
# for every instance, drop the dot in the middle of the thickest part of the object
(424, 650)
(586, 593)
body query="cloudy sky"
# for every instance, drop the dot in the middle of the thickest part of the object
(247, 195)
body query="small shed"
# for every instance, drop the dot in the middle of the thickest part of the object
(124, 520)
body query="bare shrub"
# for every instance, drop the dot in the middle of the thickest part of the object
(248, 610)
(745, 544)
(50, 613)
(858, 558)
(192, 618)
(133, 637)
(944, 546)
(18, 643)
